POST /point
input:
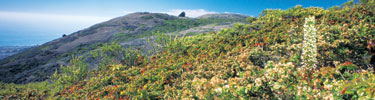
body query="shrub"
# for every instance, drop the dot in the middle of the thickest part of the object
(250, 19)
(347, 66)
(70, 75)
(114, 53)
(147, 17)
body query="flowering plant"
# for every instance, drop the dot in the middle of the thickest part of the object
(309, 48)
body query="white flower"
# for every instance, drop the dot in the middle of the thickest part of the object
(328, 87)
(309, 49)
(328, 97)
(258, 82)
(218, 90)
(226, 86)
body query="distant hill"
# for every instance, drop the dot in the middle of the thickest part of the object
(6, 51)
(38, 63)
(224, 16)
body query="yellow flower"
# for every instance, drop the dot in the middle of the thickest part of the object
(249, 86)
(122, 93)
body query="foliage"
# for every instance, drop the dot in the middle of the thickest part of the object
(38, 90)
(147, 17)
(250, 19)
(70, 75)
(259, 60)
(174, 25)
(114, 53)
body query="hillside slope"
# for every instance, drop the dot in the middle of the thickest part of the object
(38, 63)
(6, 51)
(298, 53)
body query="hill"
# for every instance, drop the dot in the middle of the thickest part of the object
(223, 16)
(38, 63)
(298, 53)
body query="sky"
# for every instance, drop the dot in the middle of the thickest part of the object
(34, 22)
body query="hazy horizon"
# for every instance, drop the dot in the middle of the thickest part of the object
(25, 23)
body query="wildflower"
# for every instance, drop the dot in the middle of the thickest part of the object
(218, 90)
(318, 80)
(143, 71)
(243, 64)
(348, 63)
(347, 51)
(328, 97)
(258, 82)
(343, 91)
(122, 93)
(256, 45)
(309, 49)
(226, 86)
(299, 90)
(261, 44)
(247, 74)
(363, 72)
(249, 86)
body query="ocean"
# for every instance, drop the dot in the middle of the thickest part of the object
(26, 38)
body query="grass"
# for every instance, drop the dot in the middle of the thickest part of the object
(258, 60)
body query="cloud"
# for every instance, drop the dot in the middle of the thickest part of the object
(189, 12)
(47, 21)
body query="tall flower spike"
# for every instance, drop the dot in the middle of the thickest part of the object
(309, 48)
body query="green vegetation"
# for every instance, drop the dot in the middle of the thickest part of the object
(147, 17)
(259, 60)
(190, 34)
(114, 54)
(174, 25)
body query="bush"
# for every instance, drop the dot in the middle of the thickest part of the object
(70, 75)
(114, 53)
(347, 66)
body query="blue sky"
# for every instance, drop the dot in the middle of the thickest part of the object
(31, 22)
